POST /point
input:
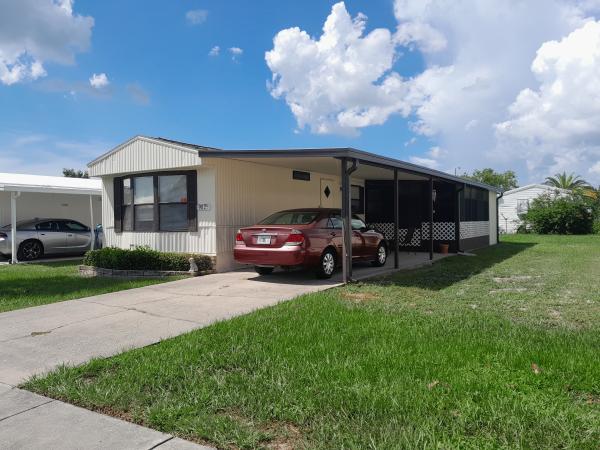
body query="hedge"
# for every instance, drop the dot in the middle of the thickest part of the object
(144, 258)
(568, 214)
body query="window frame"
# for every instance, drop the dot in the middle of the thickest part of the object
(360, 199)
(120, 206)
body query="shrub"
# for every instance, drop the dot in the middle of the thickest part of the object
(560, 214)
(597, 226)
(144, 258)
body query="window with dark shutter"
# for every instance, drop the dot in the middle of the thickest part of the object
(117, 203)
(164, 201)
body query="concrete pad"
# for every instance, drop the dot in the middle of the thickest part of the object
(58, 425)
(180, 444)
(14, 401)
(205, 310)
(40, 319)
(78, 342)
(127, 298)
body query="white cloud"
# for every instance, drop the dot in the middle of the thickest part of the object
(555, 126)
(427, 162)
(45, 154)
(215, 51)
(196, 16)
(99, 81)
(236, 52)
(477, 58)
(34, 32)
(341, 81)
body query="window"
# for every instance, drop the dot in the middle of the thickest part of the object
(156, 202)
(522, 206)
(290, 218)
(71, 225)
(300, 175)
(47, 226)
(357, 194)
(334, 221)
(358, 224)
(172, 193)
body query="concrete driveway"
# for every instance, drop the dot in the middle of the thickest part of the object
(36, 340)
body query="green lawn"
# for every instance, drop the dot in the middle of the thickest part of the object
(501, 350)
(25, 285)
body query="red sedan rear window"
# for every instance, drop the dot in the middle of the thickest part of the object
(290, 218)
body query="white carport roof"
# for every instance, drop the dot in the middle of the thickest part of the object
(18, 182)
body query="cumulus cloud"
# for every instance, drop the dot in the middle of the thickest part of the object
(99, 81)
(33, 32)
(215, 51)
(477, 59)
(196, 16)
(341, 81)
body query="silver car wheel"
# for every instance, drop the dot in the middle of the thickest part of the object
(328, 263)
(381, 255)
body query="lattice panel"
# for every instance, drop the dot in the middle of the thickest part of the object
(474, 229)
(442, 231)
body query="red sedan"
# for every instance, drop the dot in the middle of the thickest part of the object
(311, 238)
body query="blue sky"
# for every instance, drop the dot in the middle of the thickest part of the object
(163, 82)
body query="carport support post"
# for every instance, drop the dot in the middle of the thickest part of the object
(430, 218)
(396, 220)
(346, 224)
(13, 227)
(92, 229)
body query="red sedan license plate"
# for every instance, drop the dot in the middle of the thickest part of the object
(263, 240)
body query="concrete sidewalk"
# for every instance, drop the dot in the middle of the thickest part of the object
(36, 340)
(39, 339)
(30, 421)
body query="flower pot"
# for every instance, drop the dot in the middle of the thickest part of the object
(444, 249)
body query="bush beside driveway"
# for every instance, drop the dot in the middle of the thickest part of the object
(497, 350)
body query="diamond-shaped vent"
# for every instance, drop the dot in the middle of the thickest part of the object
(327, 191)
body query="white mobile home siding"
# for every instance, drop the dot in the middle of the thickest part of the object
(493, 219)
(508, 217)
(143, 155)
(201, 241)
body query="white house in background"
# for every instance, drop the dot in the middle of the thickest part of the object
(517, 201)
(174, 196)
(24, 197)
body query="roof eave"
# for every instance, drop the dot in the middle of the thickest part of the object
(344, 153)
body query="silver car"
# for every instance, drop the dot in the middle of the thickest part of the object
(39, 237)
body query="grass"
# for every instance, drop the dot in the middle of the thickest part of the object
(501, 350)
(25, 285)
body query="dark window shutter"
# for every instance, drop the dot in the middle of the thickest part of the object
(118, 203)
(192, 198)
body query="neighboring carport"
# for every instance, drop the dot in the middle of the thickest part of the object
(348, 163)
(47, 197)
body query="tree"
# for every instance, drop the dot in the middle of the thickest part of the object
(571, 182)
(72, 173)
(504, 180)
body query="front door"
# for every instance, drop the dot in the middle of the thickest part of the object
(330, 192)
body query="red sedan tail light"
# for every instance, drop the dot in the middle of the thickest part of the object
(239, 239)
(295, 238)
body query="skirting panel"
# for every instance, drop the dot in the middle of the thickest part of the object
(474, 243)
(442, 231)
(474, 229)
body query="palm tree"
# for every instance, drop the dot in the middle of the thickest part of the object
(571, 182)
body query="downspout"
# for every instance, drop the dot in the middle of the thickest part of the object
(498, 217)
